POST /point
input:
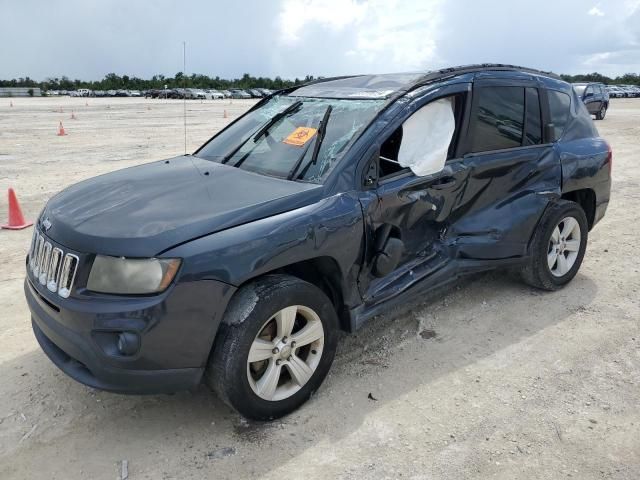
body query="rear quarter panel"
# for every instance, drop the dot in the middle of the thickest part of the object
(585, 160)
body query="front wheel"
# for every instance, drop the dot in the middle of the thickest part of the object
(274, 347)
(558, 246)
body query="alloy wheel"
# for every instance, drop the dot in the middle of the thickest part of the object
(285, 353)
(564, 246)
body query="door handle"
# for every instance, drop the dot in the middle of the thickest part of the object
(444, 183)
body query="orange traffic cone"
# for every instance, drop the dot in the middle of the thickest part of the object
(61, 131)
(224, 115)
(73, 116)
(16, 219)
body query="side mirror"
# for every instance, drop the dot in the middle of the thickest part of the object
(550, 133)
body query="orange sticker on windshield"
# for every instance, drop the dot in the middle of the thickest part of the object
(300, 136)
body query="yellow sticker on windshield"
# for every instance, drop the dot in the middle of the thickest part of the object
(300, 136)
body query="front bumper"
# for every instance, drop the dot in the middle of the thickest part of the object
(176, 331)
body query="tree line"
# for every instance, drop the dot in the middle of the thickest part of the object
(626, 79)
(113, 81)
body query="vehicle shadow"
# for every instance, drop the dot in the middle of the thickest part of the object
(390, 356)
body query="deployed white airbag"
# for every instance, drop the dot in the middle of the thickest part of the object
(426, 137)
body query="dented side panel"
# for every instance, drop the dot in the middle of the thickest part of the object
(330, 228)
(505, 197)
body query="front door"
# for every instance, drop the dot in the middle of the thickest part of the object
(406, 215)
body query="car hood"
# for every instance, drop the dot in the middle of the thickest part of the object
(142, 211)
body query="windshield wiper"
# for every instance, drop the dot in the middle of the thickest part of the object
(322, 130)
(275, 119)
(261, 131)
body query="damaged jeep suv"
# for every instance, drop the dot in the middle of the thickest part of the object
(322, 206)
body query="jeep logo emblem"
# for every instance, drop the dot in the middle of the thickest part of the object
(46, 224)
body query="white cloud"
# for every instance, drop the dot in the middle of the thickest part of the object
(595, 12)
(384, 35)
(334, 14)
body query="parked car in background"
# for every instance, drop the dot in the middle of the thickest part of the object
(615, 92)
(212, 93)
(630, 90)
(634, 91)
(255, 93)
(237, 93)
(321, 208)
(226, 93)
(595, 96)
(135, 93)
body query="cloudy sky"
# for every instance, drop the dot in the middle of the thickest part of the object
(87, 39)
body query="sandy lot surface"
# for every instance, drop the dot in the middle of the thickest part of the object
(512, 382)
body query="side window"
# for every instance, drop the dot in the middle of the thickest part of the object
(497, 118)
(391, 147)
(559, 104)
(533, 124)
(588, 91)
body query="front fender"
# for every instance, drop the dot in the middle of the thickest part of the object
(332, 227)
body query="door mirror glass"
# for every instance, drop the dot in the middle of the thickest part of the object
(426, 137)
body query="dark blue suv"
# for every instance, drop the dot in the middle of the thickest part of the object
(595, 97)
(322, 206)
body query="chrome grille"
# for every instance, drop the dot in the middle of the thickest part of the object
(50, 266)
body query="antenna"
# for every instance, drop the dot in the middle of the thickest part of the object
(184, 96)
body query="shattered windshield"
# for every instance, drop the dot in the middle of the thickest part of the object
(286, 138)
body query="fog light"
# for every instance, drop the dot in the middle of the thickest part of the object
(128, 343)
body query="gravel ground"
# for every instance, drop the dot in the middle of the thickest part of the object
(490, 380)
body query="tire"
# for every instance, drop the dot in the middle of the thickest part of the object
(541, 271)
(257, 310)
(601, 113)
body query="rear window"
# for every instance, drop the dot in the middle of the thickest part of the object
(559, 104)
(497, 118)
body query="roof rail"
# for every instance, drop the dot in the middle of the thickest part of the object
(484, 67)
(428, 77)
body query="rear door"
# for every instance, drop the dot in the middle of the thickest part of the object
(512, 170)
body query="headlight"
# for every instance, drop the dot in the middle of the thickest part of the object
(132, 275)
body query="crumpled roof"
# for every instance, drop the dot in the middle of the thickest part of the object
(359, 87)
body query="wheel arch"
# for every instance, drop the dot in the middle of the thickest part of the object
(586, 198)
(324, 272)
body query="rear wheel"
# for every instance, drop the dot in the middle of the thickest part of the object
(558, 247)
(274, 347)
(601, 113)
